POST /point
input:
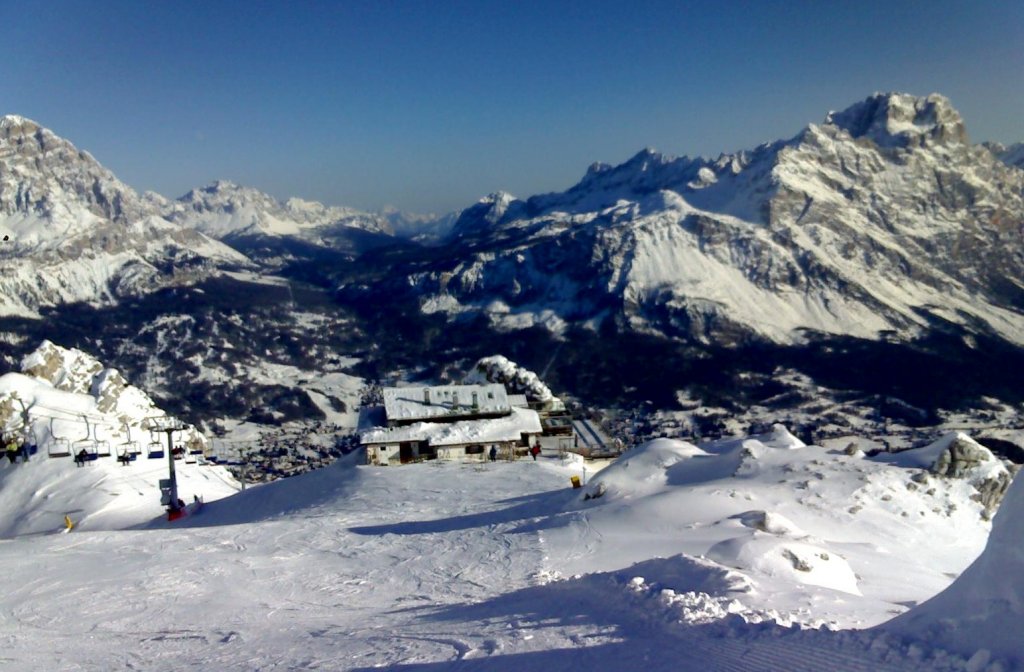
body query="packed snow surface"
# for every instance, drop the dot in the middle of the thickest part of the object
(683, 558)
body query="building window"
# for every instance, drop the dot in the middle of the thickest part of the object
(474, 450)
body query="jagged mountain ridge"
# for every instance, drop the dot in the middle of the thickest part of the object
(73, 232)
(223, 208)
(882, 220)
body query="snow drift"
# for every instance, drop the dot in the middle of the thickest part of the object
(984, 608)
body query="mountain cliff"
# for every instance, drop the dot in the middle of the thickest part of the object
(73, 232)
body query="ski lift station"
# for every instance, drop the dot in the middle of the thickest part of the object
(449, 422)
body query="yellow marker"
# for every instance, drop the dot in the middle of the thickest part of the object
(68, 523)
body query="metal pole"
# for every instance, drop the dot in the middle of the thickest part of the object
(26, 429)
(170, 468)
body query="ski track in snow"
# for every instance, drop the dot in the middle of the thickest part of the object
(411, 568)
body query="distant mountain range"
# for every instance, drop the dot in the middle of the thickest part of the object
(883, 221)
(883, 224)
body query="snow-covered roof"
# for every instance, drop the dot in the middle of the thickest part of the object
(431, 403)
(518, 401)
(508, 428)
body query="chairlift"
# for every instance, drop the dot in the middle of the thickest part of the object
(125, 456)
(103, 448)
(88, 444)
(58, 446)
(130, 446)
(155, 450)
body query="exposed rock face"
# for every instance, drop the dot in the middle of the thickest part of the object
(881, 220)
(965, 458)
(40, 172)
(69, 370)
(117, 403)
(961, 459)
(900, 120)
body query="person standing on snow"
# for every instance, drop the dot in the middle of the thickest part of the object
(494, 453)
(12, 449)
(535, 451)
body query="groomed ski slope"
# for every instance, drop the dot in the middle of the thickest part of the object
(423, 567)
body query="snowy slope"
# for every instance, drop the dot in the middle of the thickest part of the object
(883, 219)
(449, 566)
(73, 232)
(799, 530)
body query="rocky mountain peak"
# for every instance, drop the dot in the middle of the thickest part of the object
(14, 124)
(44, 175)
(902, 120)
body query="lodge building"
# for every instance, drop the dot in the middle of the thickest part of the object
(450, 422)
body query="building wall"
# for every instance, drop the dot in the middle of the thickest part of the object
(390, 453)
(382, 454)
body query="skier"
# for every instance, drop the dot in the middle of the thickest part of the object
(494, 453)
(535, 451)
(80, 458)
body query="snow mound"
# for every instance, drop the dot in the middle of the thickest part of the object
(772, 523)
(643, 470)
(793, 561)
(780, 438)
(983, 609)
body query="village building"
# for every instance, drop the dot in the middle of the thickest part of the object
(451, 422)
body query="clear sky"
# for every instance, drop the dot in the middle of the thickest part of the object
(429, 105)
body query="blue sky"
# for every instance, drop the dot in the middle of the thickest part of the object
(430, 105)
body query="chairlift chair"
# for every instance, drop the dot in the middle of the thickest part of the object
(103, 448)
(125, 455)
(129, 446)
(88, 444)
(155, 450)
(58, 446)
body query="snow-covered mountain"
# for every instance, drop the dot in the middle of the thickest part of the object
(883, 220)
(224, 209)
(73, 232)
(1011, 156)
